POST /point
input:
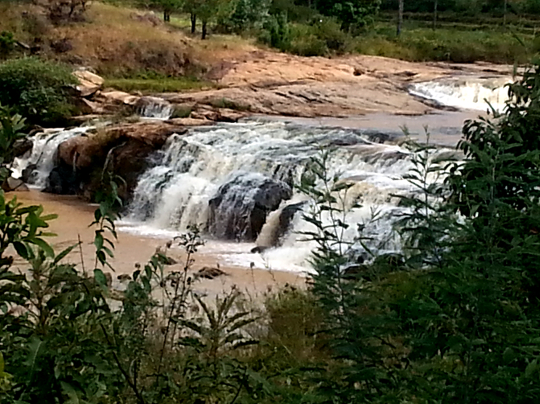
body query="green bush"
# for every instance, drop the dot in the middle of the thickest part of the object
(37, 90)
(7, 43)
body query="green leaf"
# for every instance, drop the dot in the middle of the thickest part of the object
(64, 254)
(100, 277)
(21, 249)
(47, 249)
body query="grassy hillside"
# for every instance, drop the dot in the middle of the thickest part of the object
(119, 42)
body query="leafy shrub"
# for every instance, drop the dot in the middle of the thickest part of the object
(7, 43)
(37, 89)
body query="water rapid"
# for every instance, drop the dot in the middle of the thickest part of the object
(154, 108)
(475, 93)
(35, 166)
(236, 183)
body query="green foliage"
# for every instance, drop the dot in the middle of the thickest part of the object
(248, 15)
(156, 85)
(7, 44)
(36, 89)
(230, 104)
(352, 14)
(11, 126)
(458, 319)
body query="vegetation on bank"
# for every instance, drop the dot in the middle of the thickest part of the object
(122, 39)
(39, 90)
(155, 84)
(452, 318)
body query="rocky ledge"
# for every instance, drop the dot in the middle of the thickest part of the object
(121, 150)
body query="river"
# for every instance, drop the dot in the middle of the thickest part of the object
(216, 177)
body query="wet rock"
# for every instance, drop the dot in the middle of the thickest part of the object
(209, 273)
(124, 147)
(240, 207)
(21, 146)
(14, 184)
(123, 277)
(63, 180)
(28, 173)
(108, 277)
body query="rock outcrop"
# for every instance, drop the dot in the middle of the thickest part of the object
(239, 209)
(121, 149)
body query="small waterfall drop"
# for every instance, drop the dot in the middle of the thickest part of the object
(466, 92)
(154, 108)
(39, 162)
(235, 162)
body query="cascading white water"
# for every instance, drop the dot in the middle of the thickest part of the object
(41, 157)
(466, 92)
(155, 108)
(193, 170)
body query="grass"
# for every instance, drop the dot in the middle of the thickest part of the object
(119, 41)
(418, 42)
(160, 85)
(447, 44)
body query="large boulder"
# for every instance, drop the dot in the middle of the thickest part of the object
(89, 83)
(123, 148)
(239, 209)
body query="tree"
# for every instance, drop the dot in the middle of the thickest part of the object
(205, 10)
(191, 7)
(351, 13)
(167, 7)
(400, 17)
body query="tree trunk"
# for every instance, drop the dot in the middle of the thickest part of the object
(193, 18)
(204, 32)
(435, 4)
(504, 12)
(400, 17)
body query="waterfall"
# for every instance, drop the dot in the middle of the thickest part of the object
(37, 164)
(217, 177)
(466, 92)
(154, 108)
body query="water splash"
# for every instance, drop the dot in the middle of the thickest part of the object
(154, 108)
(466, 93)
(176, 192)
(41, 159)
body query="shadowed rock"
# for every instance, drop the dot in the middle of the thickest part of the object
(240, 207)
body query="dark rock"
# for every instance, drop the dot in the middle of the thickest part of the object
(62, 46)
(125, 148)
(28, 173)
(273, 236)
(21, 146)
(209, 273)
(14, 184)
(240, 207)
(123, 277)
(63, 180)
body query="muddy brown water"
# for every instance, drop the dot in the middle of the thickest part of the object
(72, 225)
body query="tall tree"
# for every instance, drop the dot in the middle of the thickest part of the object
(435, 6)
(167, 7)
(351, 13)
(400, 17)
